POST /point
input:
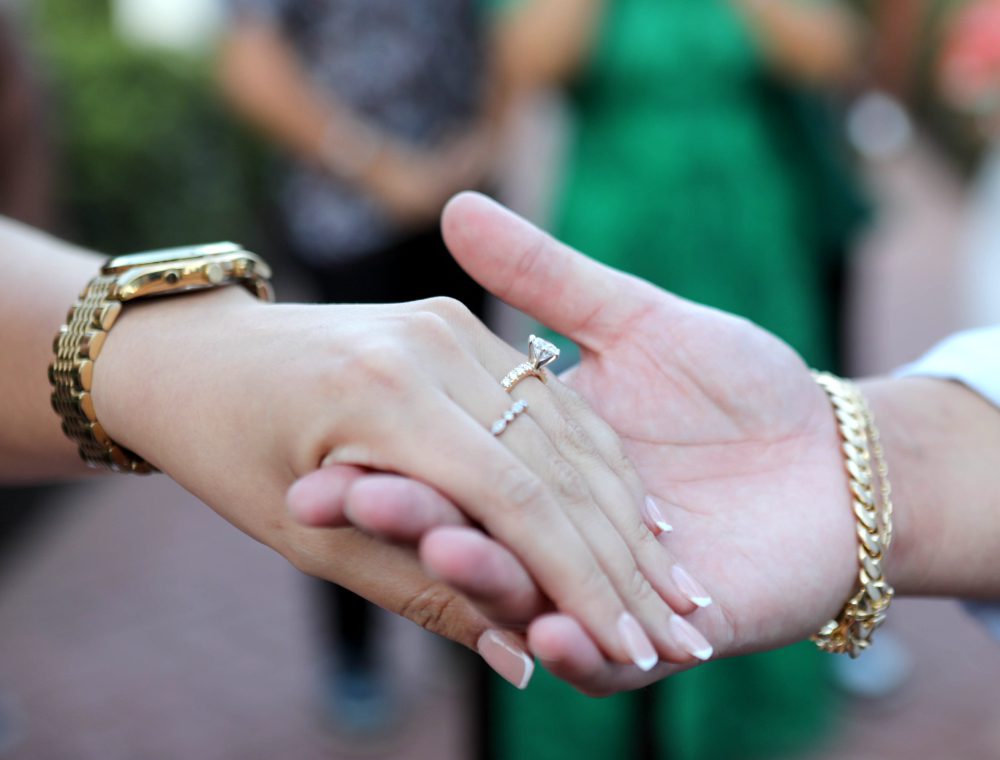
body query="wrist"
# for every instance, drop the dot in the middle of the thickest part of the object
(935, 434)
(145, 368)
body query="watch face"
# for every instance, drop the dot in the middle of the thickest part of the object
(166, 255)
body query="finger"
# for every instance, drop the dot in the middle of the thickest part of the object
(485, 572)
(682, 591)
(318, 498)
(493, 579)
(398, 509)
(617, 502)
(515, 504)
(566, 651)
(620, 502)
(586, 301)
(583, 480)
(392, 578)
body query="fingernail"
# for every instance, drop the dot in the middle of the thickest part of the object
(506, 657)
(690, 638)
(654, 517)
(690, 587)
(637, 644)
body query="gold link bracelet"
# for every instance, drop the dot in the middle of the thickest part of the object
(851, 632)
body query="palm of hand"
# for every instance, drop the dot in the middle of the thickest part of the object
(738, 444)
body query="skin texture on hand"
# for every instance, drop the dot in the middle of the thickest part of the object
(235, 399)
(729, 433)
(723, 421)
(739, 448)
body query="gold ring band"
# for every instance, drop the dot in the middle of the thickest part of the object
(521, 371)
(540, 354)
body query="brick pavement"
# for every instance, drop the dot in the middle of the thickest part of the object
(140, 625)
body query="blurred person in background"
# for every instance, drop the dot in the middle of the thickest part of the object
(25, 158)
(970, 83)
(703, 161)
(377, 106)
(25, 176)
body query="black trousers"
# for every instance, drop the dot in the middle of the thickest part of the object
(414, 268)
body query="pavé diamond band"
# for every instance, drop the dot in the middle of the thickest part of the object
(540, 354)
(518, 408)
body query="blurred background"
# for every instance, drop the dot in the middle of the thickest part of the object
(829, 169)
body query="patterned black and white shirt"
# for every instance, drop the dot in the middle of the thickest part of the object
(414, 68)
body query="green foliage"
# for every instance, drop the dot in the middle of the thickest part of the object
(148, 156)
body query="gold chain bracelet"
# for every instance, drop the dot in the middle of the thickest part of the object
(850, 633)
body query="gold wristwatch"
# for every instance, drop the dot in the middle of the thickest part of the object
(123, 279)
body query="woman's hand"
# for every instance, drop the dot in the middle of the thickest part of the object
(731, 436)
(236, 399)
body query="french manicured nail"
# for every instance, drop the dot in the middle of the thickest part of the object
(640, 649)
(690, 587)
(690, 638)
(654, 517)
(506, 657)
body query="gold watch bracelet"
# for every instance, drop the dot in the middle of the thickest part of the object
(80, 341)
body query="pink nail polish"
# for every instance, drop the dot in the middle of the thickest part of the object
(640, 649)
(690, 587)
(502, 653)
(690, 638)
(654, 517)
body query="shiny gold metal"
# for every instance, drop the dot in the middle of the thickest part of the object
(850, 633)
(125, 278)
(519, 373)
(541, 353)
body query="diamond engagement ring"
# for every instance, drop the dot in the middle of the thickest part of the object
(540, 354)
(509, 416)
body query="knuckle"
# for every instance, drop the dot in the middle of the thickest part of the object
(637, 587)
(427, 325)
(437, 609)
(574, 439)
(449, 309)
(600, 435)
(619, 461)
(638, 535)
(569, 483)
(524, 491)
(592, 584)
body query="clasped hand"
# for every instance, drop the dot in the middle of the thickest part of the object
(622, 528)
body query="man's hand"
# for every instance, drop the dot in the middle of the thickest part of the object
(732, 438)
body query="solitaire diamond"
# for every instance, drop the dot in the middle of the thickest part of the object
(541, 352)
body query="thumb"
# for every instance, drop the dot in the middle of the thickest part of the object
(589, 303)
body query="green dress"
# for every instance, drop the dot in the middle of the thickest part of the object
(691, 168)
